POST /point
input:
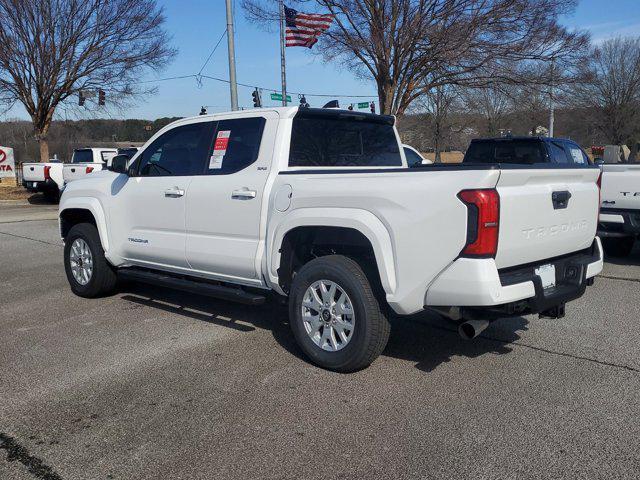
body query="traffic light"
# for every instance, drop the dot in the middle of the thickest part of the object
(203, 111)
(81, 98)
(373, 107)
(303, 102)
(101, 97)
(350, 107)
(257, 101)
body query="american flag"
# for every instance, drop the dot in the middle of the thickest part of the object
(303, 29)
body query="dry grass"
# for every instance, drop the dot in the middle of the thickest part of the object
(9, 191)
(447, 157)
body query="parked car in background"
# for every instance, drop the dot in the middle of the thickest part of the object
(87, 160)
(414, 157)
(619, 225)
(527, 151)
(45, 177)
(319, 206)
(128, 151)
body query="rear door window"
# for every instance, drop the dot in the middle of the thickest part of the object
(342, 141)
(558, 153)
(575, 154)
(236, 145)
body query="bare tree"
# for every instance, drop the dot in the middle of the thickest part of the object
(612, 89)
(53, 49)
(439, 103)
(410, 47)
(492, 104)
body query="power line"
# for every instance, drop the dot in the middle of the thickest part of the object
(213, 51)
(224, 80)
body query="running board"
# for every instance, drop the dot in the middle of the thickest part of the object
(192, 286)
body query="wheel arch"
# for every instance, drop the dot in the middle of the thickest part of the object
(83, 210)
(355, 228)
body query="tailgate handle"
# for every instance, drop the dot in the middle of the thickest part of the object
(73, 170)
(560, 199)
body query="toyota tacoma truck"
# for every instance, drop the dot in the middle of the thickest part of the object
(620, 209)
(44, 177)
(87, 160)
(320, 207)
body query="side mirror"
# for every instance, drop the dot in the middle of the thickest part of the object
(119, 164)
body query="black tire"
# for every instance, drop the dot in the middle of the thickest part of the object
(618, 246)
(52, 196)
(371, 327)
(103, 278)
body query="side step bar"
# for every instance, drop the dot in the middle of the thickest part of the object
(192, 286)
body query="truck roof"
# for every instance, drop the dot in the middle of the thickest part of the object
(290, 112)
(519, 137)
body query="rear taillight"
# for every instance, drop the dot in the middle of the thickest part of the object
(89, 169)
(483, 222)
(47, 172)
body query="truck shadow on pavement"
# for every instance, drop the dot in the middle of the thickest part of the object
(430, 340)
(632, 259)
(426, 339)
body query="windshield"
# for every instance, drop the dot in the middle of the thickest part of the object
(82, 156)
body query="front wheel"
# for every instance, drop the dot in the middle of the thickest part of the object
(335, 315)
(88, 272)
(618, 246)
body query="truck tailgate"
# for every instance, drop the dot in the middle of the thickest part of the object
(621, 186)
(545, 213)
(74, 171)
(33, 172)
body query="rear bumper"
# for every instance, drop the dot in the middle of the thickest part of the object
(618, 222)
(477, 284)
(40, 186)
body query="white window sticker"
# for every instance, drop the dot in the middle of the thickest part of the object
(577, 155)
(215, 162)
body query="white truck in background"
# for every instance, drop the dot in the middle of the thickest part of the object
(320, 208)
(619, 225)
(45, 177)
(87, 160)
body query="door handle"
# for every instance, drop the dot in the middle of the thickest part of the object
(243, 193)
(174, 192)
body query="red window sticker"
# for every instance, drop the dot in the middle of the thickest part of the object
(222, 140)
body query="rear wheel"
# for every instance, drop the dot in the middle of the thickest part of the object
(618, 246)
(335, 315)
(88, 272)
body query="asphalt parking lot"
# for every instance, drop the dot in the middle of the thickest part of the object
(151, 383)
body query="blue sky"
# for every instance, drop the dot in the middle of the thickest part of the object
(196, 26)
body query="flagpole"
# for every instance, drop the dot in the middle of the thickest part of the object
(283, 69)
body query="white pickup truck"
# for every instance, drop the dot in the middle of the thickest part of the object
(320, 207)
(620, 209)
(87, 160)
(45, 177)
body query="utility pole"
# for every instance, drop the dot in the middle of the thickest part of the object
(283, 69)
(551, 103)
(233, 86)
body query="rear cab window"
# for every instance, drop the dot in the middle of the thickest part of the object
(321, 140)
(84, 155)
